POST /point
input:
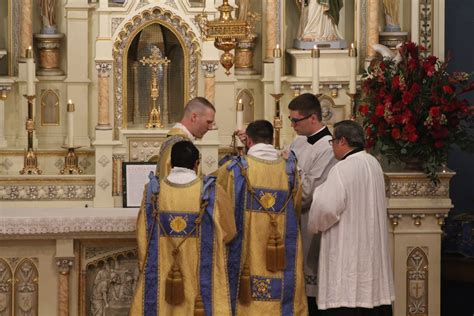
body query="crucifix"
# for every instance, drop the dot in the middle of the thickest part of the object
(154, 61)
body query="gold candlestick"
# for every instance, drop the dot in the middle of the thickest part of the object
(277, 122)
(30, 161)
(353, 98)
(71, 162)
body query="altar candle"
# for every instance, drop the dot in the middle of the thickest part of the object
(315, 57)
(240, 115)
(70, 124)
(30, 72)
(240, 120)
(277, 73)
(353, 68)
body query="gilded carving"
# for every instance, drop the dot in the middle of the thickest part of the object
(26, 288)
(64, 264)
(5, 288)
(42, 192)
(123, 40)
(417, 282)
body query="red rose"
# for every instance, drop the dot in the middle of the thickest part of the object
(396, 133)
(364, 109)
(412, 137)
(379, 110)
(435, 111)
(415, 88)
(439, 144)
(447, 89)
(395, 82)
(407, 98)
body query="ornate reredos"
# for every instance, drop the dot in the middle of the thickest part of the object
(122, 41)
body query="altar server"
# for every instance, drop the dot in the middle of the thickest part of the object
(265, 259)
(315, 159)
(198, 119)
(355, 274)
(181, 237)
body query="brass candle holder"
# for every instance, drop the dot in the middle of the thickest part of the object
(30, 161)
(71, 162)
(277, 122)
(353, 98)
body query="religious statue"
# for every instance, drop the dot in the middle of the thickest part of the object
(47, 16)
(244, 7)
(391, 15)
(318, 24)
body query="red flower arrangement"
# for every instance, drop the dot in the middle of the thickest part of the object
(411, 108)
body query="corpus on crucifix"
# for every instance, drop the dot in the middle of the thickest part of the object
(154, 61)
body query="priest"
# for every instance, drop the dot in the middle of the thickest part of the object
(198, 119)
(265, 261)
(181, 237)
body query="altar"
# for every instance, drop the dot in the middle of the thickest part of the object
(79, 84)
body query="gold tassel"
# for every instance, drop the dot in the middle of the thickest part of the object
(271, 254)
(174, 291)
(280, 253)
(199, 306)
(245, 290)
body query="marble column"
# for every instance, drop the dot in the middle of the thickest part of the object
(118, 160)
(209, 67)
(270, 28)
(64, 266)
(103, 68)
(3, 96)
(26, 27)
(373, 24)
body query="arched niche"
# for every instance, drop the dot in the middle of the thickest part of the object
(180, 44)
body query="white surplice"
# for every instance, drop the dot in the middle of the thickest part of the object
(314, 161)
(350, 211)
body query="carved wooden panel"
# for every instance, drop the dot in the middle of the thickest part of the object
(417, 281)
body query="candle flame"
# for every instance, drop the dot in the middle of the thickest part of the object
(70, 101)
(278, 46)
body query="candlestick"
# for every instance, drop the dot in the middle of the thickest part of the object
(353, 68)
(277, 72)
(315, 56)
(30, 72)
(70, 124)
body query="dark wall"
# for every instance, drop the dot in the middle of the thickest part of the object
(459, 41)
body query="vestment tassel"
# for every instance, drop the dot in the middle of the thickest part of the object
(199, 306)
(174, 291)
(275, 254)
(245, 291)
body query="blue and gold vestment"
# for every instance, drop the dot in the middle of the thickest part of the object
(202, 255)
(272, 293)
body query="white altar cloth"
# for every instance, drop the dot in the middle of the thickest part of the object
(33, 221)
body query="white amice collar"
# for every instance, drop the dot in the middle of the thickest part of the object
(185, 130)
(179, 175)
(263, 151)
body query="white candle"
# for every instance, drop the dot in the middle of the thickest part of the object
(353, 68)
(239, 124)
(277, 73)
(240, 115)
(315, 58)
(70, 124)
(415, 26)
(30, 72)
